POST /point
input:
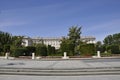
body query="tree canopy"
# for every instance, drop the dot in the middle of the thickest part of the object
(74, 33)
(112, 43)
(5, 41)
(70, 43)
(112, 39)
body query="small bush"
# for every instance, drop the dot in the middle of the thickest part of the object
(115, 49)
(18, 52)
(87, 49)
(30, 50)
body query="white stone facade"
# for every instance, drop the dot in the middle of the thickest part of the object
(27, 41)
(88, 39)
(53, 41)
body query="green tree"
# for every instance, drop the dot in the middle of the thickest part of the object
(74, 33)
(87, 49)
(41, 50)
(5, 40)
(112, 39)
(6, 48)
(63, 45)
(74, 37)
(115, 49)
(67, 46)
(51, 50)
(17, 41)
(112, 43)
(108, 40)
(71, 43)
(116, 39)
(100, 47)
(16, 44)
(30, 50)
(18, 52)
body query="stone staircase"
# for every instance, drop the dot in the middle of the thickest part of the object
(60, 72)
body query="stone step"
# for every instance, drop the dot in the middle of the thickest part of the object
(59, 72)
(42, 70)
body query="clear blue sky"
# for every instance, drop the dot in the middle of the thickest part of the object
(53, 18)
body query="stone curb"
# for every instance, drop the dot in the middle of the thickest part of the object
(61, 74)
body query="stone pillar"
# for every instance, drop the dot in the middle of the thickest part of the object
(33, 55)
(6, 55)
(98, 54)
(65, 56)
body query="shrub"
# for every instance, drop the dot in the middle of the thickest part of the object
(30, 50)
(6, 48)
(115, 49)
(18, 52)
(41, 50)
(87, 49)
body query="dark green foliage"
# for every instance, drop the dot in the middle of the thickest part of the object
(63, 45)
(74, 33)
(30, 50)
(6, 48)
(115, 49)
(67, 46)
(51, 50)
(108, 40)
(5, 39)
(1, 49)
(19, 52)
(71, 43)
(41, 50)
(112, 39)
(112, 43)
(87, 49)
(74, 39)
(100, 47)
(17, 41)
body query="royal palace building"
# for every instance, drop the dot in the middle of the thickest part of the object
(53, 41)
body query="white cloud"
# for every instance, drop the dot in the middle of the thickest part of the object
(102, 30)
(105, 26)
(10, 23)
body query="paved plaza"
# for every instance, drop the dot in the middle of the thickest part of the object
(60, 64)
(97, 77)
(76, 69)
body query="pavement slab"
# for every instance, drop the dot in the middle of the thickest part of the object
(60, 64)
(94, 77)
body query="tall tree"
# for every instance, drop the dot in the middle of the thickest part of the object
(74, 36)
(108, 40)
(41, 50)
(50, 50)
(112, 39)
(74, 33)
(17, 41)
(70, 44)
(112, 42)
(67, 46)
(5, 39)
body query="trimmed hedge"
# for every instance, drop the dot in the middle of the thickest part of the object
(19, 52)
(115, 49)
(87, 49)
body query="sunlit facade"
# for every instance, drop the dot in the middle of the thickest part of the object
(53, 41)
